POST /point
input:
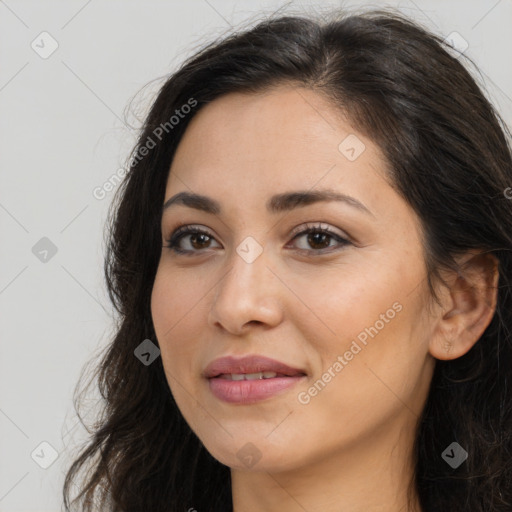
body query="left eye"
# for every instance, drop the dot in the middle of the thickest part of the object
(317, 237)
(320, 238)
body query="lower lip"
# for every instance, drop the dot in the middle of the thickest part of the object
(250, 391)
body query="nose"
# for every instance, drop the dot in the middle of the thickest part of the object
(249, 293)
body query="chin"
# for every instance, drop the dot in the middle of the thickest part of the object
(254, 452)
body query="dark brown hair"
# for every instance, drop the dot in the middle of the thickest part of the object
(450, 158)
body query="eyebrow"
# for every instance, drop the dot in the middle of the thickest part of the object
(276, 204)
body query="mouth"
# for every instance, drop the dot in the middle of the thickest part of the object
(251, 376)
(250, 368)
(250, 379)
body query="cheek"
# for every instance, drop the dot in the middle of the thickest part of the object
(375, 361)
(337, 305)
(173, 306)
(163, 306)
(174, 299)
(174, 310)
(366, 315)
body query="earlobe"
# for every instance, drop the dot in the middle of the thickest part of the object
(468, 306)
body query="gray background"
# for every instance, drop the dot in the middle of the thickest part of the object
(62, 135)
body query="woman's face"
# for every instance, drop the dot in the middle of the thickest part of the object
(343, 308)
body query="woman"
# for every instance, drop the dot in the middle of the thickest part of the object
(310, 256)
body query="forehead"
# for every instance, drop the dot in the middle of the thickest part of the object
(284, 139)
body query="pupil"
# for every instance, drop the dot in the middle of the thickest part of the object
(194, 239)
(320, 238)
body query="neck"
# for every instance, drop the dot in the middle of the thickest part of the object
(372, 476)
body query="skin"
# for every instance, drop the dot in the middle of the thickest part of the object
(350, 447)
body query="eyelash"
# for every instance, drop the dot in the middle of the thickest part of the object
(173, 241)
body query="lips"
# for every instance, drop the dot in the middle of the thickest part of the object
(250, 379)
(249, 365)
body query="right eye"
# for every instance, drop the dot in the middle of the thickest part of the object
(199, 239)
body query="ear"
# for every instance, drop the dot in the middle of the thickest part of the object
(469, 304)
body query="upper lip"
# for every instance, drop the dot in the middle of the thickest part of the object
(248, 364)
